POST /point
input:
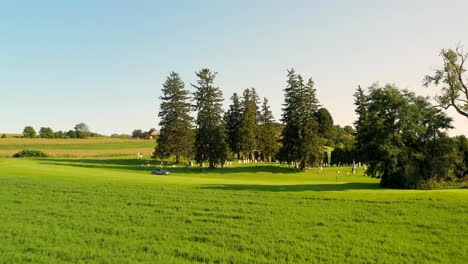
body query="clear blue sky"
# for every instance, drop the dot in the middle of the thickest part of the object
(103, 62)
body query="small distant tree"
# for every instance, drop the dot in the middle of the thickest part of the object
(137, 133)
(122, 136)
(59, 134)
(82, 130)
(29, 132)
(46, 132)
(71, 134)
(4, 136)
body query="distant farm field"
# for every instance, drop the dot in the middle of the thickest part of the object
(112, 210)
(91, 147)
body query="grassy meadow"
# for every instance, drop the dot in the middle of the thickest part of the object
(112, 210)
(90, 147)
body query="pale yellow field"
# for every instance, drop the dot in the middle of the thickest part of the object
(66, 141)
(87, 153)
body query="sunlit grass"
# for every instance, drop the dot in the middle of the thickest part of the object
(91, 147)
(112, 210)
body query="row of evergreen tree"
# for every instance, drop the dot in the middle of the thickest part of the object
(247, 130)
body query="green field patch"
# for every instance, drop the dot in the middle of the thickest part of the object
(112, 210)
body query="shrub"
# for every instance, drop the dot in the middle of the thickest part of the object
(30, 153)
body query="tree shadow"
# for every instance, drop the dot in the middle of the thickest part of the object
(296, 188)
(148, 165)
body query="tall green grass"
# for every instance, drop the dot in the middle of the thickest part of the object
(112, 210)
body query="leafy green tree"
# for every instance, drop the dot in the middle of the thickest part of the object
(46, 132)
(342, 156)
(82, 130)
(232, 118)
(459, 157)
(325, 122)
(210, 144)
(452, 76)
(71, 134)
(59, 134)
(137, 133)
(267, 133)
(341, 137)
(29, 132)
(349, 130)
(403, 138)
(175, 137)
(248, 123)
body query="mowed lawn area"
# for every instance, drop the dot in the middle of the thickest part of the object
(112, 210)
(89, 147)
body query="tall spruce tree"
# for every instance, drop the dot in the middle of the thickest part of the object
(176, 134)
(310, 141)
(232, 118)
(360, 101)
(248, 124)
(301, 143)
(267, 133)
(210, 144)
(290, 142)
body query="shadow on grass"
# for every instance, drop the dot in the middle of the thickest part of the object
(141, 165)
(296, 188)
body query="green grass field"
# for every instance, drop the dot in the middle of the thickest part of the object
(90, 147)
(111, 210)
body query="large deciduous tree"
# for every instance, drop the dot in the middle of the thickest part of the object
(176, 124)
(210, 144)
(403, 139)
(453, 79)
